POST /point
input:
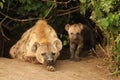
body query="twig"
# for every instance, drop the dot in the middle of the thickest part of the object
(95, 52)
(2, 29)
(57, 2)
(20, 20)
(49, 11)
(12, 20)
(103, 49)
(3, 46)
(6, 27)
(68, 12)
(68, 9)
(116, 6)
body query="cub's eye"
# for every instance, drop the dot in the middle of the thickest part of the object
(53, 54)
(71, 33)
(43, 54)
(77, 33)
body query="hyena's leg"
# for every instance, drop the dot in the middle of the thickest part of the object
(31, 59)
(77, 52)
(72, 50)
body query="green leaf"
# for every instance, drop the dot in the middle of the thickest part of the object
(1, 5)
(104, 23)
(65, 42)
(3, 0)
(117, 46)
(82, 9)
(82, 1)
(116, 72)
(49, 4)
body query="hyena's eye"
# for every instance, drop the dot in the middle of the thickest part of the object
(53, 54)
(77, 33)
(43, 54)
(71, 33)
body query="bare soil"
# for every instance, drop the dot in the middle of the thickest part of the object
(89, 68)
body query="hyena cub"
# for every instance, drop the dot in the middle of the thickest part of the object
(81, 38)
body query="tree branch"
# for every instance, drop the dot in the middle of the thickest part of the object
(49, 11)
(69, 9)
(57, 2)
(2, 29)
(68, 12)
(103, 50)
(19, 20)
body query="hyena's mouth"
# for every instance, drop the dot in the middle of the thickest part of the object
(50, 62)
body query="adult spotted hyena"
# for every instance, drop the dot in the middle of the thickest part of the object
(39, 44)
(81, 38)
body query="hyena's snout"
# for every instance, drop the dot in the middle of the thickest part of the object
(74, 37)
(50, 59)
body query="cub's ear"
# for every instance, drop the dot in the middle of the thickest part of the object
(58, 44)
(67, 27)
(80, 26)
(35, 47)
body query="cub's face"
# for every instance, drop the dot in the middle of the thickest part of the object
(47, 53)
(74, 31)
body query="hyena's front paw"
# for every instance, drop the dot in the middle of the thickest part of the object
(51, 68)
(72, 58)
(77, 59)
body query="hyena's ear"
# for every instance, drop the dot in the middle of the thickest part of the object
(67, 27)
(58, 44)
(80, 26)
(35, 47)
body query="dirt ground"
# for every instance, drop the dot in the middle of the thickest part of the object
(90, 68)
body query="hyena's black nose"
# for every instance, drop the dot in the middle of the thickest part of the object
(50, 60)
(75, 39)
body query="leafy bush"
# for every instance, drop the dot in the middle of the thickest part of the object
(106, 15)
